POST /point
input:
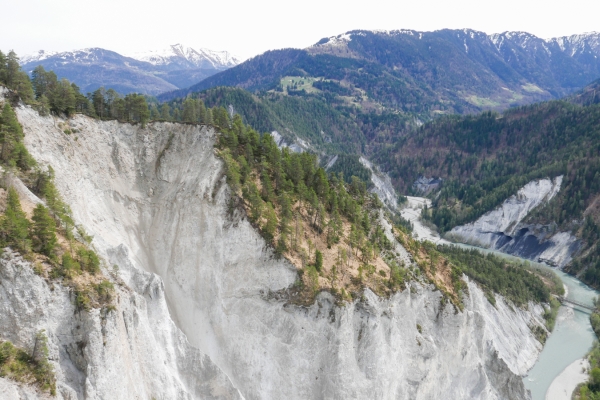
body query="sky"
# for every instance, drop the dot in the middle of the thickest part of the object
(247, 28)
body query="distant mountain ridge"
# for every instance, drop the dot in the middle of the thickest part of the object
(178, 55)
(151, 72)
(445, 71)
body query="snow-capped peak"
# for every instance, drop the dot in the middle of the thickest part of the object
(579, 43)
(180, 54)
(39, 56)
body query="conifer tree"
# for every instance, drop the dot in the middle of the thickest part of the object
(271, 223)
(2, 68)
(62, 98)
(43, 231)
(189, 111)
(14, 224)
(201, 111)
(43, 106)
(43, 81)
(165, 112)
(318, 260)
(13, 152)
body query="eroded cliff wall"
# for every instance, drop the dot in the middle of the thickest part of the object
(156, 202)
(503, 228)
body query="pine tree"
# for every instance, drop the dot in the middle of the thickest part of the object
(189, 111)
(12, 69)
(318, 260)
(62, 98)
(154, 113)
(43, 231)
(89, 260)
(70, 267)
(3, 71)
(43, 81)
(43, 106)
(271, 223)
(201, 111)
(13, 152)
(14, 224)
(165, 112)
(14, 78)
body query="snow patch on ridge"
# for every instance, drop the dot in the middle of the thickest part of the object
(198, 57)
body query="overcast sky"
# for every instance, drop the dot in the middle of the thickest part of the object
(247, 28)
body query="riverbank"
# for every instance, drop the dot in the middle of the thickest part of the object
(563, 385)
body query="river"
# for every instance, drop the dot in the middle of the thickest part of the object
(571, 340)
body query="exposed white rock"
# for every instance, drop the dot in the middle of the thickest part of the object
(412, 212)
(298, 146)
(134, 351)
(425, 185)
(382, 185)
(502, 228)
(11, 390)
(507, 217)
(155, 200)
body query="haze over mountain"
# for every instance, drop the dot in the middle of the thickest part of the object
(445, 71)
(150, 72)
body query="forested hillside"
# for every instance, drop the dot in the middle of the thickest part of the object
(355, 92)
(325, 125)
(422, 73)
(486, 158)
(331, 229)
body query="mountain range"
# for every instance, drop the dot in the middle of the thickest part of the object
(445, 71)
(150, 72)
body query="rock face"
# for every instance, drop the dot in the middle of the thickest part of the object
(156, 202)
(502, 229)
(135, 351)
(382, 185)
(426, 185)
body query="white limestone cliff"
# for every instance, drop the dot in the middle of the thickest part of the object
(503, 228)
(156, 202)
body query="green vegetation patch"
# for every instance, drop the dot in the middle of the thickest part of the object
(495, 274)
(293, 84)
(349, 166)
(34, 368)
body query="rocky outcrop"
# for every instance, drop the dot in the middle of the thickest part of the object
(503, 228)
(131, 351)
(425, 185)
(156, 202)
